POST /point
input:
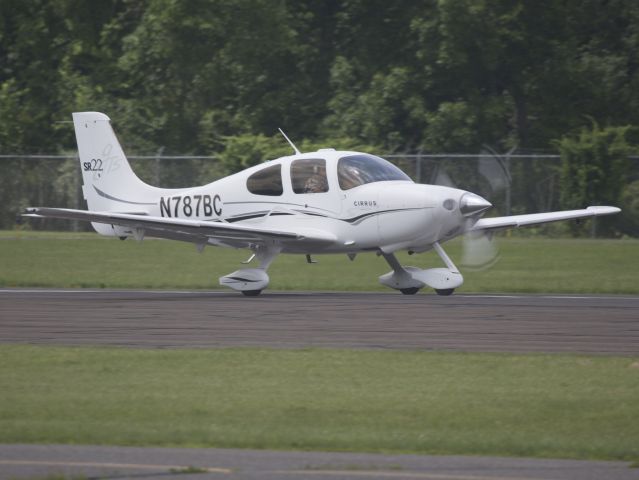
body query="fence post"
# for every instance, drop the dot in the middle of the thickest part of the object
(158, 157)
(78, 191)
(508, 183)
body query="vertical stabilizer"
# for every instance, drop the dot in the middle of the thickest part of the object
(109, 183)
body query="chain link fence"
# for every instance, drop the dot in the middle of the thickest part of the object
(513, 183)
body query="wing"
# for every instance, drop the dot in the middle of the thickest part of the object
(515, 221)
(195, 231)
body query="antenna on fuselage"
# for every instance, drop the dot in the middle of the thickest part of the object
(289, 141)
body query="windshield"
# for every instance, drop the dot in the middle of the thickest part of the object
(356, 170)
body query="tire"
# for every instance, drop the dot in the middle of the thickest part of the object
(251, 293)
(409, 291)
(445, 292)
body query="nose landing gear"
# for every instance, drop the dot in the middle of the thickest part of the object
(445, 292)
(409, 280)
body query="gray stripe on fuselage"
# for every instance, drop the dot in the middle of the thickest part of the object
(110, 197)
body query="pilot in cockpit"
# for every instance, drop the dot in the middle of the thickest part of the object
(316, 184)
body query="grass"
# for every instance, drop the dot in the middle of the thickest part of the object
(46, 259)
(560, 406)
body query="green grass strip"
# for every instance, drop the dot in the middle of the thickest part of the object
(560, 406)
(534, 265)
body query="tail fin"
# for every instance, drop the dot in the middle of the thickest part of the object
(109, 183)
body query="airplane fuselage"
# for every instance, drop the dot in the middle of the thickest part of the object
(389, 215)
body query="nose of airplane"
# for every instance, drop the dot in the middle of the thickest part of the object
(471, 204)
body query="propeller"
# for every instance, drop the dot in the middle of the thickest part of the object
(479, 249)
(490, 176)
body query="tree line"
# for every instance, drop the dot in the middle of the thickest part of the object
(218, 77)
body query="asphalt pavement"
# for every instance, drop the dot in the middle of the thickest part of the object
(163, 319)
(93, 462)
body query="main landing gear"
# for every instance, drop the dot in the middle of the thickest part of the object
(251, 293)
(409, 291)
(409, 280)
(251, 281)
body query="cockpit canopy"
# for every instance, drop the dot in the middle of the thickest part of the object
(311, 175)
(356, 170)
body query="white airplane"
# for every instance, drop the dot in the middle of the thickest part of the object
(319, 202)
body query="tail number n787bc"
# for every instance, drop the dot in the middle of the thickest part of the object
(191, 206)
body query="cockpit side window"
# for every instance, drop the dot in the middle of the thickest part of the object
(267, 181)
(356, 170)
(308, 175)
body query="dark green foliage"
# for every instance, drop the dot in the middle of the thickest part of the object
(629, 221)
(188, 75)
(594, 165)
(243, 151)
(214, 77)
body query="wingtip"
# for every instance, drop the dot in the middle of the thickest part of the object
(90, 116)
(604, 210)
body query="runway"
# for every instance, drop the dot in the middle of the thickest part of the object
(93, 462)
(164, 319)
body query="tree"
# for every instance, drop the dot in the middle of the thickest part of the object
(208, 69)
(594, 167)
